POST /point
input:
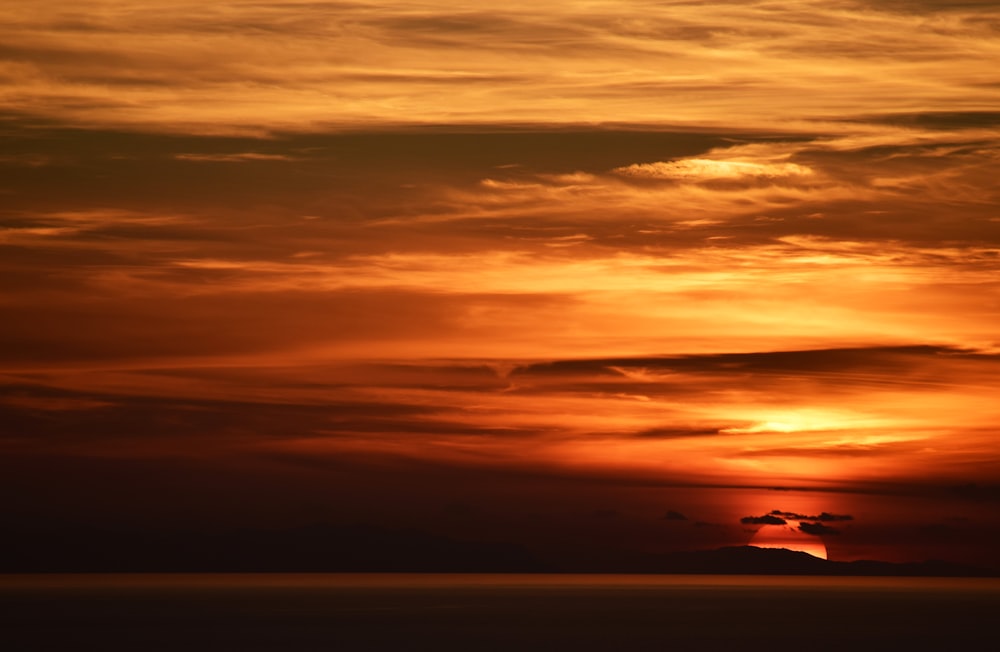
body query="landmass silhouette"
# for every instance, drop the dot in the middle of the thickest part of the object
(746, 560)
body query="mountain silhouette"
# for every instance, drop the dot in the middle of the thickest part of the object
(751, 560)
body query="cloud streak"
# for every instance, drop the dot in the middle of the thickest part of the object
(699, 169)
(182, 65)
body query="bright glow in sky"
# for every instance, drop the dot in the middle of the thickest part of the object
(719, 258)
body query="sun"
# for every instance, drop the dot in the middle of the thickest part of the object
(789, 537)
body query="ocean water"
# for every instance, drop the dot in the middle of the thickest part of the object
(344, 612)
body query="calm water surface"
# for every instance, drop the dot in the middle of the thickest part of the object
(346, 612)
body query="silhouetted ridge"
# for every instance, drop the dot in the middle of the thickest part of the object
(751, 560)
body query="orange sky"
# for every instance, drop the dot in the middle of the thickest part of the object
(607, 259)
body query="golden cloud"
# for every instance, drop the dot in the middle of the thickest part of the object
(700, 169)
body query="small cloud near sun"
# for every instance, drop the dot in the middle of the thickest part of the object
(779, 517)
(817, 529)
(766, 519)
(823, 516)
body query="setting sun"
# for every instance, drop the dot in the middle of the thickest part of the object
(789, 538)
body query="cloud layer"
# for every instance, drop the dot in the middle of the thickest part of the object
(587, 262)
(289, 64)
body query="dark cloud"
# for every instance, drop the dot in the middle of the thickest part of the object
(829, 360)
(921, 6)
(676, 433)
(940, 119)
(817, 529)
(823, 516)
(40, 418)
(766, 519)
(842, 450)
(673, 515)
(412, 151)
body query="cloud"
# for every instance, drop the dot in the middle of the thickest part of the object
(817, 529)
(778, 517)
(697, 170)
(287, 65)
(673, 515)
(917, 6)
(766, 519)
(671, 433)
(888, 363)
(949, 120)
(823, 516)
(241, 157)
(27, 401)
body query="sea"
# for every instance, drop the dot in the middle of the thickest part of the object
(443, 612)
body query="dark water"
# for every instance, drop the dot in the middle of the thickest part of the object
(493, 612)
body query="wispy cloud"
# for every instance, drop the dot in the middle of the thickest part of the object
(242, 157)
(700, 169)
(287, 64)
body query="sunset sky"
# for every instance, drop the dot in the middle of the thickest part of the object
(577, 276)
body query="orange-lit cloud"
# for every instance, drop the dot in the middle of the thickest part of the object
(629, 253)
(700, 169)
(287, 65)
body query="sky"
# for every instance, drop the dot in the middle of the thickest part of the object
(589, 278)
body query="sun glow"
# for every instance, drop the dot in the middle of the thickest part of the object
(807, 420)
